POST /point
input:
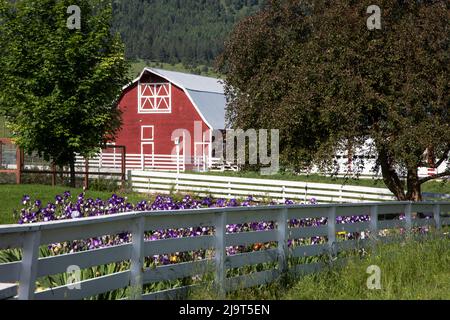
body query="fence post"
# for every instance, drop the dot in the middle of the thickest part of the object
(220, 253)
(137, 259)
(86, 173)
(29, 265)
(437, 216)
(408, 217)
(124, 166)
(53, 174)
(19, 165)
(332, 230)
(282, 238)
(374, 222)
(130, 179)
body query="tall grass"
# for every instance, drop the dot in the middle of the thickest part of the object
(415, 268)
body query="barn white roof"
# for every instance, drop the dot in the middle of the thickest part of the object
(192, 81)
(206, 93)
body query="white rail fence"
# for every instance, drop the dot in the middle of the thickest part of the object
(161, 162)
(232, 187)
(30, 237)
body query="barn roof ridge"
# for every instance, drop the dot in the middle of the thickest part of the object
(192, 81)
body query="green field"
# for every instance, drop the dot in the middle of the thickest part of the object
(11, 197)
(410, 270)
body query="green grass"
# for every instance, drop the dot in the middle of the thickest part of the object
(11, 197)
(411, 269)
(431, 186)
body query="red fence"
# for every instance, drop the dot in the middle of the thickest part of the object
(13, 160)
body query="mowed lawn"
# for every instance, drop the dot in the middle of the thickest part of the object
(11, 197)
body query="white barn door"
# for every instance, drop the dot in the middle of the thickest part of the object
(147, 146)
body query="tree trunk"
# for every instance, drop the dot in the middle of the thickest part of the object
(72, 174)
(390, 176)
(413, 185)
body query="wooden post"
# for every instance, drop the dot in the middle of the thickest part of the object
(1, 153)
(130, 179)
(437, 216)
(124, 167)
(86, 174)
(53, 174)
(220, 254)
(332, 231)
(408, 217)
(374, 222)
(29, 265)
(137, 259)
(19, 165)
(282, 239)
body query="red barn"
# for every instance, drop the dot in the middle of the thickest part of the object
(162, 108)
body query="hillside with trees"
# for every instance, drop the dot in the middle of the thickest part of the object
(190, 32)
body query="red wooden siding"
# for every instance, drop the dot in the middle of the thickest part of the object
(183, 115)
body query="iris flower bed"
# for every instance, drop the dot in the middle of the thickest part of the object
(65, 207)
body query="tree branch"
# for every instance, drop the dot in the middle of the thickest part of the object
(444, 157)
(435, 176)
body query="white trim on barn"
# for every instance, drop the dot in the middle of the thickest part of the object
(158, 98)
(152, 135)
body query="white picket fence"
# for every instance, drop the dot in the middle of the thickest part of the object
(232, 187)
(31, 237)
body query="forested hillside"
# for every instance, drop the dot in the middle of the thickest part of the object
(173, 31)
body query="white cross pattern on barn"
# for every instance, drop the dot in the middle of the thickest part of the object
(155, 98)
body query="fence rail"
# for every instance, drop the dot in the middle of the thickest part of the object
(233, 187)
(29, 238)
(160, 162)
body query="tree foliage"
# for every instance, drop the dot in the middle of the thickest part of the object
(173, 31)
(315, 71)
(59, 87)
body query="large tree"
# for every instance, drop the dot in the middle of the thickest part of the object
(59, 85)
(314, 70)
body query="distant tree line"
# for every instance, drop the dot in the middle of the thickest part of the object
(188, 31)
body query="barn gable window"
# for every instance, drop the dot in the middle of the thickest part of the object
(155, 98)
